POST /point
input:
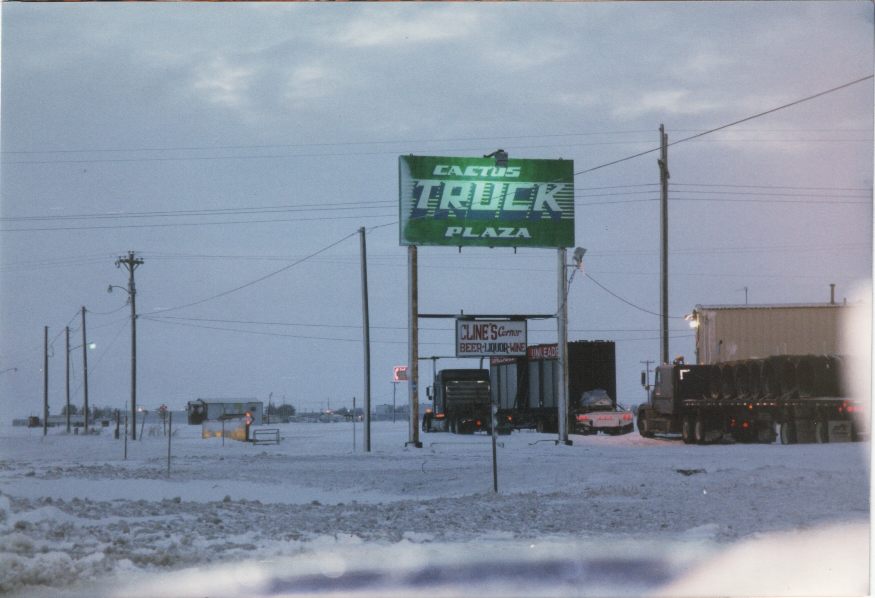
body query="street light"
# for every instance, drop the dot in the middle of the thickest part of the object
(578, 257)
(89, 346)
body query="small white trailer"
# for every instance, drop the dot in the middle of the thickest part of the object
(202, 410)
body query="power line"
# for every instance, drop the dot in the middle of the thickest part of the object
(490, 139)
(358, 326)
(325, 144)
(735, 186)
(627, 302)
(280, 334)
(260, 279)
(320, 207)
(107, 313)
(301, 155)
(732, 124)
(167, 224)
(833, 202)
(724, 192)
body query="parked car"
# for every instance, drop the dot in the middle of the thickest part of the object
(597, 412)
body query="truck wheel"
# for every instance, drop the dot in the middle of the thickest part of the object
(699, 430)
(687, 430)
(644, 425)
(787, 433)
(821, 434)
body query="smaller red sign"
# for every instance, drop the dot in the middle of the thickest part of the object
(544, 352)
(399, 373)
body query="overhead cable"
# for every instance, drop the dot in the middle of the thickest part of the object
(732, 124)
(259, 279)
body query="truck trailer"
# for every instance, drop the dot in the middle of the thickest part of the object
(525, 388)
(727, 333)
(797, 398)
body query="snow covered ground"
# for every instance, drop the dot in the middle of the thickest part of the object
(606, 516)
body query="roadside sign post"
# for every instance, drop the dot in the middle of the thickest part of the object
(490, 201)
(399, 374)
(494, 454)
(169, 436)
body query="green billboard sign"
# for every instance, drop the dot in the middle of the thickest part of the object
(473, 202)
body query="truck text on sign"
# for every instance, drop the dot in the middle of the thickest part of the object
(459, 201)
(490, 338)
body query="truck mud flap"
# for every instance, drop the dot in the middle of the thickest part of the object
(712, 436)
(839, 431)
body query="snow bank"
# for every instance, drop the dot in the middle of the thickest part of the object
(608, 515)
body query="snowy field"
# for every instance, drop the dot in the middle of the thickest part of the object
(617, 516)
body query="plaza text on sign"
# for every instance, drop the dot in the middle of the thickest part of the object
(472, 202)
(490, 338)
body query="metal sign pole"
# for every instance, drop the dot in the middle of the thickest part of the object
(169, 436)
(494, 455)
(366, 336)
(413, 345)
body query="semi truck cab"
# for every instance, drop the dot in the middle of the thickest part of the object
(462, 402)
(674, 383)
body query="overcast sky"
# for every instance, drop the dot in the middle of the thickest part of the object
(225, 142)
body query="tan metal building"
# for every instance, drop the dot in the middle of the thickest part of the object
(732, 332)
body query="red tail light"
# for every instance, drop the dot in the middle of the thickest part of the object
(478, 423)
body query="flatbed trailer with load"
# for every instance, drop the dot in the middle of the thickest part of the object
(796, 398)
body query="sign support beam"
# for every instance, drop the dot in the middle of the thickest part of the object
(413, 345)
(562, 332)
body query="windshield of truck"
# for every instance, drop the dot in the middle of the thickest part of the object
(691, 382)
(596, 400)
(468, 390)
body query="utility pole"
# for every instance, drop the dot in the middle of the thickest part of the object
(366, 336)
(562, 330)
(663, 269)
(130, 263)
(84, 370)
(67, 378)
(45, 380)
